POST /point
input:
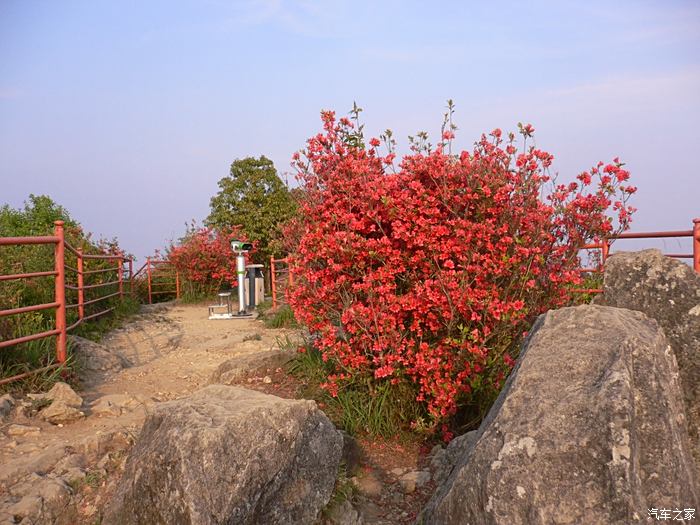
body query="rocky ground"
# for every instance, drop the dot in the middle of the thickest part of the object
(63, 452)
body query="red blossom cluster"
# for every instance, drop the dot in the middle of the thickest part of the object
(430, 274)
(204, 256)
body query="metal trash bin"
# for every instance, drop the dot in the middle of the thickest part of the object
(257, 277)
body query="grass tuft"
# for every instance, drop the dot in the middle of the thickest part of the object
(362, 404)
(281, 317)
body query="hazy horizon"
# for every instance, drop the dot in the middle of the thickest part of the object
(129, 114)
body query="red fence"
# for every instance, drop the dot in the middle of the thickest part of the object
(604, 247)
(111, 276)
(159, 274)
(280, 279)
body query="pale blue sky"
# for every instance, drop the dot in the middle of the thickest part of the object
(128, 113)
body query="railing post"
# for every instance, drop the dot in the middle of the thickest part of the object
(605, 247)
(148, 273)
(81, 284)
(289, 272)
(273, 287)
(696, 245)
(131, 277)
(177, 283)
(120, 273)
(60, 291)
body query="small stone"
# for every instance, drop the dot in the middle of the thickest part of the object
(368, 485)
(65, 404)
(113, 405)
(23, 430)
(7, 402)
(63, 392)
(267, 380)
(412, 480)
(58, 412)
(344, 514)
(408, 486)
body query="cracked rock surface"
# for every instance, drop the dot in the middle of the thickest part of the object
(589, 428)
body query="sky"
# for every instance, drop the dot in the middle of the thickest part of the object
(128, 113)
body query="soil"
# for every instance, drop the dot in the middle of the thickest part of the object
(173, 350)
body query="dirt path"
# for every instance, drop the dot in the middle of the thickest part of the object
(55, 473)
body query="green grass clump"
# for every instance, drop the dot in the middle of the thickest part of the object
(281, 317)
(362, 404)
(40, 353)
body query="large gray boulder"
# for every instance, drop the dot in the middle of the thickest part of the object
(669, 291)
(589, 428)
(228, 455)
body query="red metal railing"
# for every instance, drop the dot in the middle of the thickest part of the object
(604, 247)
(154, 271)
(281, 278)
(60, 303)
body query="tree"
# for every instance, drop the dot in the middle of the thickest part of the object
(254, 198)
(36, 218)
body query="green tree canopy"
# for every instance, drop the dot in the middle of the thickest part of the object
(254, 198)
(37, 218)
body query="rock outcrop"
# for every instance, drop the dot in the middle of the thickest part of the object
(64, 404)
(229, 455)
(589, 428)
(669, 291)
(94, 357)
(233, 369)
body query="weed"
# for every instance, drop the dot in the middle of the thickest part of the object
(377, 408)
(95, 330)
(40, 353)
(282, 317)
(361, 405)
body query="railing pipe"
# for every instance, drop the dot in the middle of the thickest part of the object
(696, 245)
(60, 292)
(131, 276)
(27, 275)
(8, 241)
(81, 284)
(605, 249)
(120, 273)
(24, 375)
(148, 272)
(273, 286)
(27, 309)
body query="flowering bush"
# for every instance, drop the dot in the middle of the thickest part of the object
(204, 258)
(429, 275)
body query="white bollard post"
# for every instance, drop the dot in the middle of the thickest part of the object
(240, 270)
